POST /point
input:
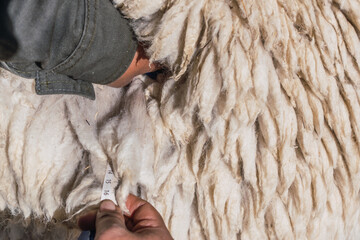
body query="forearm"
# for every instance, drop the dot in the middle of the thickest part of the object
(139, 65)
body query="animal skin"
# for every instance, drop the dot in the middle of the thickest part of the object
(253, 133)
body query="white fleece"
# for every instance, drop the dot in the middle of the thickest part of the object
(254, 134)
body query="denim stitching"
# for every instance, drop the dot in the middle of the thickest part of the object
(41, 82)
(89, 44)
(17, 70)
(74, 53)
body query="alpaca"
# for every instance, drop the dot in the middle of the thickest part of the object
(253, 134)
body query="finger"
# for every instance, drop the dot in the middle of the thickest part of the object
(142, 214)
(87, 221)
(110, 221)
(145, 221)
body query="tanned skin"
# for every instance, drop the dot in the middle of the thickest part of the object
(143, 222)
(139, 65)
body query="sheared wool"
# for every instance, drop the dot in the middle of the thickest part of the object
(254, 134)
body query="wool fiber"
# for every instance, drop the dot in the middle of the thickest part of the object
(254, 132)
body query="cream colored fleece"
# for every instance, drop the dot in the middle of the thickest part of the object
(255, 135)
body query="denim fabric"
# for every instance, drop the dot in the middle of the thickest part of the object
(65, 45)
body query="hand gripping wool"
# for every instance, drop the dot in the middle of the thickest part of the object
(255, 134)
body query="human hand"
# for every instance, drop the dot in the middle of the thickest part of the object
(144, 222)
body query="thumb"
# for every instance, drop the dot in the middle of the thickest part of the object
(110, 221)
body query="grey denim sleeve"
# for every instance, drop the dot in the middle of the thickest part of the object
(65, 45)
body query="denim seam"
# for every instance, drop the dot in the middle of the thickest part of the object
(69, 60)
(17, 70)
(43, 82)
(78, 52)
(74, 53)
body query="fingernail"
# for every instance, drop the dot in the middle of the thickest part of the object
(126, 212)
(107, 205)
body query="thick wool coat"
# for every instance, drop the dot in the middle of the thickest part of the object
(254, 134)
